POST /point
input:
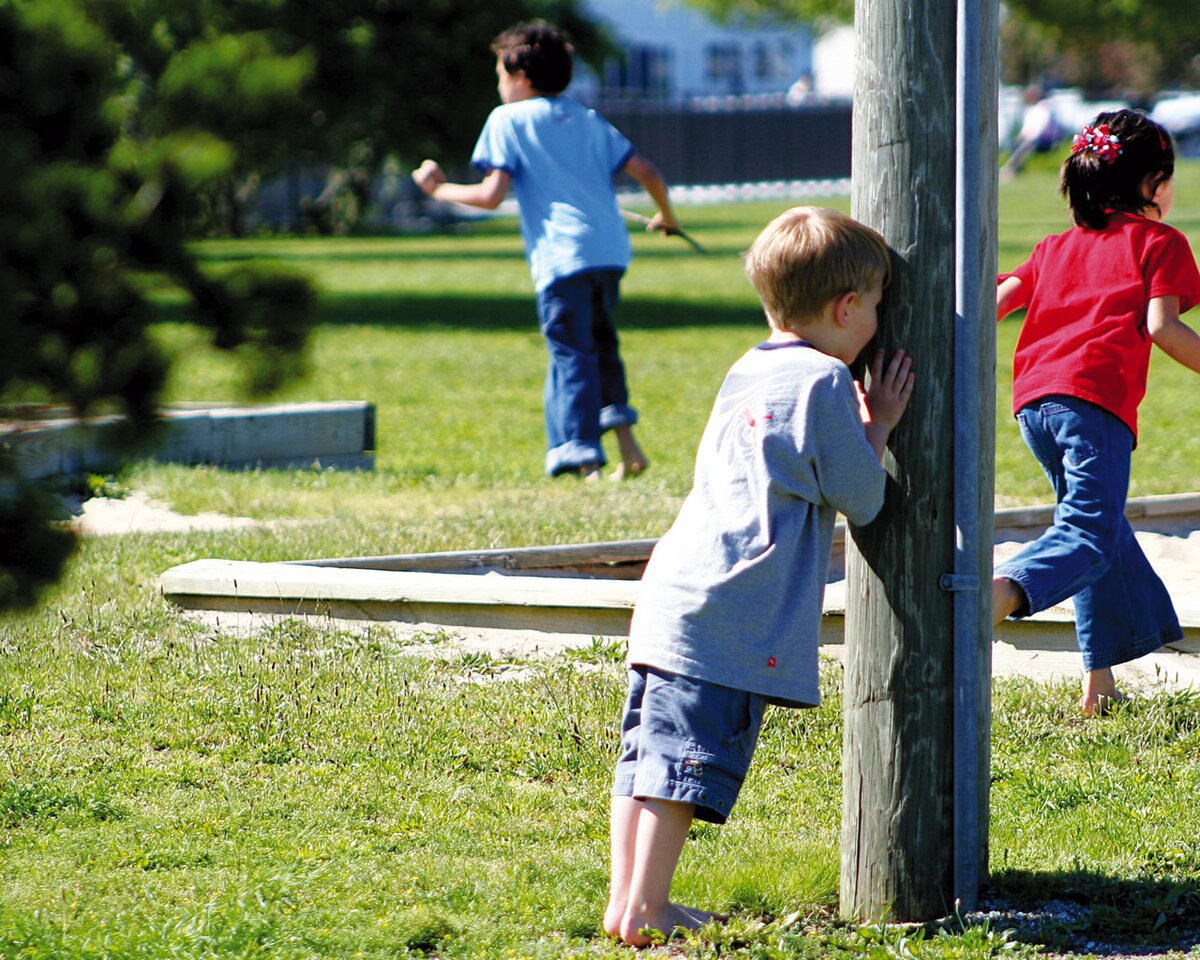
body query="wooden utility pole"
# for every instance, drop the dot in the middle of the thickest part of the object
(913, 839)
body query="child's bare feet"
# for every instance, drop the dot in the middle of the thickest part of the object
(634, 926)
(1100, 693)
(585, 471)
(625, 470)
(633, 460)
(613, 912)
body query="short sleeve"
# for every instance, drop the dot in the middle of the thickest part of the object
(1025, 272)
(616, 144)
(1169, 269)
(496, 148)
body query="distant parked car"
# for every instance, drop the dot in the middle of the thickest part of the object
(1181, 115)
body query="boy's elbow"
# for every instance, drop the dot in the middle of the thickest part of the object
(642, 170)
(862, 517)
(866, 508)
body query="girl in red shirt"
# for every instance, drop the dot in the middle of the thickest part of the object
(1096, 298)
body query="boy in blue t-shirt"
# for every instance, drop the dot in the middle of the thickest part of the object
(560, 157)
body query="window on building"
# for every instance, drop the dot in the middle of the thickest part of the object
(645, 71)
(773, 59)
(723, 63)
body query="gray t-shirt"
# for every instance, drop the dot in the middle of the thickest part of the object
(732, 593)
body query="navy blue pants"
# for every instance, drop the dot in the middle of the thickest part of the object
(586, 392)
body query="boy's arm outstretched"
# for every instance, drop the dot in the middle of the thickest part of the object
(1176, 338)
(487, 193)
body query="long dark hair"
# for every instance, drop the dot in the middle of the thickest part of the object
(1098, 179)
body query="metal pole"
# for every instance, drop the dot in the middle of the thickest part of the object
(966, 581)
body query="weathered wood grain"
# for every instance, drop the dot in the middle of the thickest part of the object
(898, 844)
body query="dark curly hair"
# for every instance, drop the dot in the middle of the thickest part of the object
(543, 51)
(1095, 187)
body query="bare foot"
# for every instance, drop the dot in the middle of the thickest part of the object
(1102, 706)
(1100, 693)
(633, 460)
(585, 471)
(636, 929)
(703, 916)
(613, 912)
(625, 471)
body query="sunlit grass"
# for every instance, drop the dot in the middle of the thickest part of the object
(306, 792)
(168, 789)
(439, 332)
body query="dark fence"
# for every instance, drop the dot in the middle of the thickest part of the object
(738, 144)
(721, 141)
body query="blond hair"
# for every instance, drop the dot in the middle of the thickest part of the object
(808, 256)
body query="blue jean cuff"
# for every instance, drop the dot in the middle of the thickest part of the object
(1144, 647)
(617, 415)
(1014, 574)
(572, 455)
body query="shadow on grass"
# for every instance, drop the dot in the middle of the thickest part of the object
(496, 313)
(1081, 911)
(670, 249)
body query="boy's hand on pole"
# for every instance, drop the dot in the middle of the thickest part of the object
(891, 388)
(429, 176)
(883, 403)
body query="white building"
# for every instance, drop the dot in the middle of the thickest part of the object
(674, 52)
(833, 63)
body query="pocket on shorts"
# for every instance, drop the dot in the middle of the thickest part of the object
(704, 770)
(725, 765)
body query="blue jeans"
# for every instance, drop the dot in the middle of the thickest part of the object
(585, 383)
(1122, 608)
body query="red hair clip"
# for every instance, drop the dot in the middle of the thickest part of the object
(1099, 141)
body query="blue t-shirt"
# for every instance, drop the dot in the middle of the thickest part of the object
(562, 157)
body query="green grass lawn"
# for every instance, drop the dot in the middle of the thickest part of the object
(440, 333)
(169, 790)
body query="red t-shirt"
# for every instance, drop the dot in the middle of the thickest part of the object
(1085, 324)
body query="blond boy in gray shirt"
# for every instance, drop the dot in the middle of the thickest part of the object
(729, 611)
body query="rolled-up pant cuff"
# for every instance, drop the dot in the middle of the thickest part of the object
(617, 415)
(572, 455)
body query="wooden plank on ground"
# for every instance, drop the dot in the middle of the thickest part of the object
(625, 557)
(288, 436)
(294, 581)
(587, 588)
(558, 605)
(618, 558)
(580, 621)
